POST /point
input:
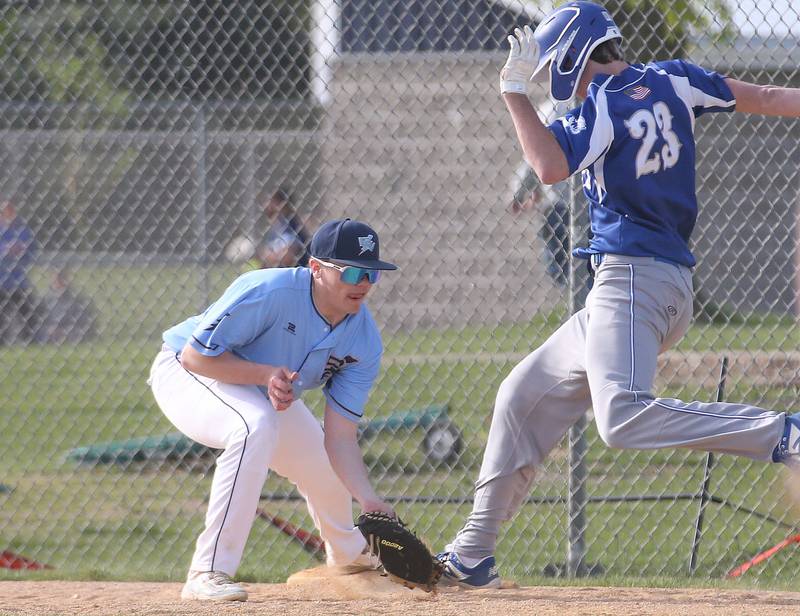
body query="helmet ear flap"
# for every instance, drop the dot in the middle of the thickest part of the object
(563, 85)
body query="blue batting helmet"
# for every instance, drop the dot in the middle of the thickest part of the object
(566, 39)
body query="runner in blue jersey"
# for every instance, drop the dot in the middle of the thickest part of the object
(232, 379)
(632, 139)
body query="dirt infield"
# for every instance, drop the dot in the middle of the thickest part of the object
(370, 594)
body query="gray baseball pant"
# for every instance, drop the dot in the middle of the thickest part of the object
(604, 357)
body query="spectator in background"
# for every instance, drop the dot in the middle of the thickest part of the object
(529, 195)
(286, 240)
(67, 316)
(18, 313)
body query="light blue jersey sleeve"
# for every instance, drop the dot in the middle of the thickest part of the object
(242, 313)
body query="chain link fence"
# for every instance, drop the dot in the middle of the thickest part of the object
(140, 144)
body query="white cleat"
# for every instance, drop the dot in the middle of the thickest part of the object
(212, 586)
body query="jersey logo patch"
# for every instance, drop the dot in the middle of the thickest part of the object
(573, 124)
(291, 328)
(366, 244)
(335, 364)
(638, 93)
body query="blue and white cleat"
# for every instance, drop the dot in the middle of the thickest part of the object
(482, 575)
(787, 450)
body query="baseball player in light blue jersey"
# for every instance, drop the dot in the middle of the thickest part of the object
(231, 378)
(632, 139)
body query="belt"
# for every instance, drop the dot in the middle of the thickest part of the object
(595, 259)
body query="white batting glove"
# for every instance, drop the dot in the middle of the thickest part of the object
(522, 60)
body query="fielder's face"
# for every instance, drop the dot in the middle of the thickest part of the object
(338, 295)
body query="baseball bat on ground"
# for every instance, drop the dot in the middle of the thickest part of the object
(311, 542)
(736, 572)
(11, 560)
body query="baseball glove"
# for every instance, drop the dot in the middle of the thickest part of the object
(405, 558)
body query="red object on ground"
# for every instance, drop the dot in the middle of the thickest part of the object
(309, 540)
(736, 572)
(9, 560)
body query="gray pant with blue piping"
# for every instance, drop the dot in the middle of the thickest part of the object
(604, 357)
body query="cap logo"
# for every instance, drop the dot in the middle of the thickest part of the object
(366, 244)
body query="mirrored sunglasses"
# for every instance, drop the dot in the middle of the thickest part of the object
(353, 275)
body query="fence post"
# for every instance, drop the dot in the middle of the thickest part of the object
(576, 486)
(576, 500)
(705, 493)
(201, 205)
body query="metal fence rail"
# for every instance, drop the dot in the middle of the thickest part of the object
(139, 142)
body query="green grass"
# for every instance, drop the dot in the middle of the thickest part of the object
(140, 522)
(757, 332)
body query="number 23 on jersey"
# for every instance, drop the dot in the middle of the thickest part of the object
(645, 125)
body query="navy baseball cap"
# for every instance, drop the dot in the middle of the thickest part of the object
(348, 242)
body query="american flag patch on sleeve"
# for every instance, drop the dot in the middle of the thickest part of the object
(638, 93)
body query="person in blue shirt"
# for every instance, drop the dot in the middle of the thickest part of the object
(632, 141)
(232, 378)
(285, 244)
(18, 305)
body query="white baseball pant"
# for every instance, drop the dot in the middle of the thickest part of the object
(255, 437)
